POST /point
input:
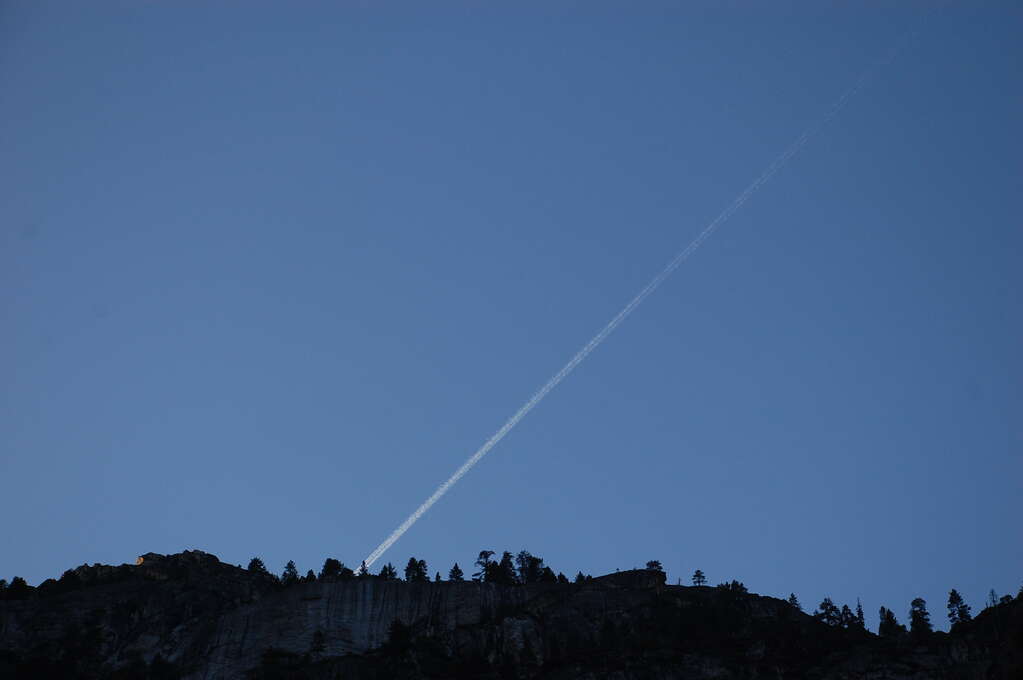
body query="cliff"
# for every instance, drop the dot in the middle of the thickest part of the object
(192, 616)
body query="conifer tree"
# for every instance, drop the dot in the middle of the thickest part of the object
(846, 618)
(483, 561)
(19, 589)
(310, 576)
(436, 578)
(958, 610)
(504, 573)
(456, 574)
(331, 568)
(828, 612)
(415, 571)
(256, 565)
(388, 572)
(794, 601)
(698, 578)
(290, 573)
(919, 619)
(579, 578)
(888, 626)
(860, 621)
(654, 565)
(529, 567)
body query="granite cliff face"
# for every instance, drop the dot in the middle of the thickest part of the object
(191, 616)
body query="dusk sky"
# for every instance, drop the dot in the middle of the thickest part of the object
(270, 272)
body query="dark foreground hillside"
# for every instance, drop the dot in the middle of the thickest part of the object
(191, 616)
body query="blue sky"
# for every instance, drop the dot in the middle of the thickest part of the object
(269, 274)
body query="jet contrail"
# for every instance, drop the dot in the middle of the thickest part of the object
(654, 284)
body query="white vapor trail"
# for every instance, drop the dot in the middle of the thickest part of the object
(604, 332)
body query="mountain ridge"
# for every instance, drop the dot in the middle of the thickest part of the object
(189, 615)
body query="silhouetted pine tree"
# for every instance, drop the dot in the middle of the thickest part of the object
(504, 574)
(483, 561)
(528, 567)
(456, 574)
(846, 618)
(958, 610)
(733, 586)
(698, 578)
(388, 572)
(654, 565)
(310, 576)
(889, 626)
(562, 578)
(436, 578)
(794, 601)
(828, 612)
(415, 571)
(919, 619)
(256, 565)
(331, 568)
(579, 578)
(290, 573)
(860, 621)
(19, 589)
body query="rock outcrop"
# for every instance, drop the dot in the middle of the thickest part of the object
(190, 615)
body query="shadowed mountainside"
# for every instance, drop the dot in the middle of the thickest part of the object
(191, 616)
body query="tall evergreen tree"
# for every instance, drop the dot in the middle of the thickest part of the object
(888, 626)
(846, 618)
(919, 619)
(331, 569)
(828, 612)
(503, 572)
(483, 561)
(456, 574)
(415, 571)
(992, 598)
(860, 621)
(579, 578)
(958, 610)
(388, 572)
(794, 601)
(290, 573)
(310, 576)
(698, 578)
(363, 571)
(528, 567)
(654, 565)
